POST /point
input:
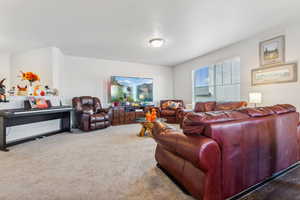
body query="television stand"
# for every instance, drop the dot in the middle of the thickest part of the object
(126, 114)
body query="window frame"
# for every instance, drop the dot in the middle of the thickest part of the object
(215, 85)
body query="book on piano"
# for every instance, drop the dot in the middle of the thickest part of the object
(38, 102)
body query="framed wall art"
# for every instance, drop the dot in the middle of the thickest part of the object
(275, 74)
(272, 51)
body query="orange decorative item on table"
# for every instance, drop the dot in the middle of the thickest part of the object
(153, 115)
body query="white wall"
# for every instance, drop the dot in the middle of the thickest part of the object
(76, 76)
(39, 61)
(5, 68)
(248, 51)
(86, 76)
(58, 59)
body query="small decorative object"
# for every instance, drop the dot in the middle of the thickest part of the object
(50, 92)
(255, 98)
(275, 74)
(55, 92)
(153, 115)
(12, 91)
(2, 87)
(36, 90)
(31, 77)
(22, 91)
(148, 116)
(43, 93)
(38, 102)
(2, 91)
(272, 51)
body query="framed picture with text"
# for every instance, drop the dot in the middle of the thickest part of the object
(272, 51)
(275, 74)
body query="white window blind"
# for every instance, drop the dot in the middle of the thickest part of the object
(218, 82)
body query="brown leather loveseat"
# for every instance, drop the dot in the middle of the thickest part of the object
(220, 154)
(210, 106)
(89, 113)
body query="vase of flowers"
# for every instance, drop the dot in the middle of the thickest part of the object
(31, 78)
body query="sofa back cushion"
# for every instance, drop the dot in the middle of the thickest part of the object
(255, 143)
(205, 106)
(230, 105)
(196, 123)
(217, 106)
(87, 104)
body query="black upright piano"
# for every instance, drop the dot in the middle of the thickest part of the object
(15, 117)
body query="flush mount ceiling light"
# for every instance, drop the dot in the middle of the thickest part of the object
(156, 42)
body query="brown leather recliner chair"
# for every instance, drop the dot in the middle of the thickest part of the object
(89, 113)
(220, 154)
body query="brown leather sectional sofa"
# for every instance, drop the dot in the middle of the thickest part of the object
(208, 107)
(220, 154)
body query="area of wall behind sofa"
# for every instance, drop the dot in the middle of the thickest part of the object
(5, 67)
(248, 51)
(88, 76)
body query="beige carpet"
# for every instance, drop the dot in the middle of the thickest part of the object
(103, 165)
(109, 164)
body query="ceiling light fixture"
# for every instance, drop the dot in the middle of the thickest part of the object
(156, 42)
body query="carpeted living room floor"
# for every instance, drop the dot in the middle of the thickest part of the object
(102, 165)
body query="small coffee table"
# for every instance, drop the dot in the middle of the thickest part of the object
(147, 126)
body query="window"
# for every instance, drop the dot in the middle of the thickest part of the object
(218, 82)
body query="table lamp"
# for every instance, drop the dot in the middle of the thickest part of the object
(255, 98)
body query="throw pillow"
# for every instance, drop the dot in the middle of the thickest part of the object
(174, 105)
(165, 105)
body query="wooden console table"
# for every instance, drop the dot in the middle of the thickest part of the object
(15, 117)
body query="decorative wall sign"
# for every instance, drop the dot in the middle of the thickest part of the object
(272, 51)
(275, 74)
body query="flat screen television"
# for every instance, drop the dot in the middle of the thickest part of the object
(131, 89)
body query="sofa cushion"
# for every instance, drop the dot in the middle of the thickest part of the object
(195, 123)
(168, 112)
(99, 117)
(257, 112)
(230, 105)
(87, 109)
(205, 106)
(283, 108)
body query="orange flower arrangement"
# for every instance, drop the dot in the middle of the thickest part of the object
(30, 76)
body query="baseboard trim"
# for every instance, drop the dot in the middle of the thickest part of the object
(261, 184)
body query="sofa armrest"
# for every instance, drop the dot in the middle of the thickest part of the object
(84, 121)
(298, 136)
(108, 111)
(198, 150)
(181, 113)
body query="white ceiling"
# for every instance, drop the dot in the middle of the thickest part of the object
(120, 29)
